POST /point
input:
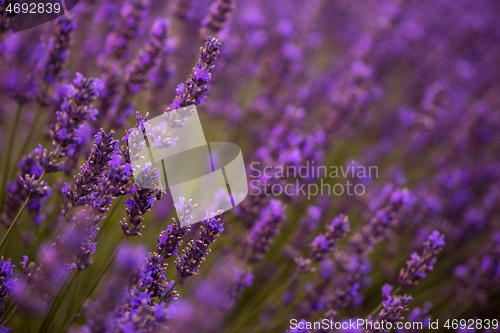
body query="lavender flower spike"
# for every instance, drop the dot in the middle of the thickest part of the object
(140, 201)
(264, 231)
(75, 110)
(196, 251)
(392, 311)
(102, 156)
(324, 244)
(218, 15)
(6, 281)
(59, 45)
(170, 239)
(132, 13)
(138, 72)
(301, 327)
(418, 265)
(137, 76)
(242, 279)
(196, 87)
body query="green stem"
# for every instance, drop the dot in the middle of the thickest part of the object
(243, 320)
(171, 288)
(18, 216)
(89, 293)
(7, 318)
(23, 207)
(7, 159)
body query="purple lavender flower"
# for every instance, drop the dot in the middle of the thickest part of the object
(363, 241)
(181, 8)
(33, 188)
(118, 47)
(218, 15)
(6, 280)
(59, 44)
(480, 274)
(242, 279)
(56, 263)
(126, 270)
(184, 211)
(418, 265)
(249, 210)
(140, 200)
(103, 156)
(28, 269)
(137, 309)
(301, 327)
(75, 110)
(263, 233)
(5, 329)
(307, 224)
(137, 73)
(392, 311)
(160, 76)
(418, 315)
(18, 190)
(324, 244)
(196, 251)
(132, 15)
(194, 91)
(170, 239)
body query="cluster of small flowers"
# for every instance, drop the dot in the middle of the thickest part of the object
(322, 85)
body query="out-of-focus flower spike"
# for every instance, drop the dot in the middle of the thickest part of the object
(58, 48)
(181, 8)
(324, 244)
(218, 16)
(418, 266)
(132, 15)
(137, 73)
(264, 231)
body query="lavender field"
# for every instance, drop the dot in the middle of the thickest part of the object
(370, 134)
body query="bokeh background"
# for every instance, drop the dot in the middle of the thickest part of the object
(411, 87)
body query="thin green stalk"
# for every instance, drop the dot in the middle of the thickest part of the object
(7, 159)
(171, 288)
(8, 317)
(18, 216)
(89, 293)
(248, 315)
(108, 218)
(23, 207)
